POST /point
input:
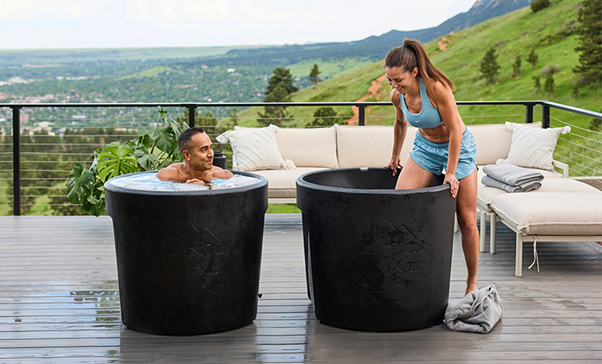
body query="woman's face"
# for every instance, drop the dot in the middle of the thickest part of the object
(399, 79)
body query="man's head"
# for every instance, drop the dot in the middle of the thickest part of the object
(196, 148)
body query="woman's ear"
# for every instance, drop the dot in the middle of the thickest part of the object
(415, 72)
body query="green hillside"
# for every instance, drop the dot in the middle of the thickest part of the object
(551, 32)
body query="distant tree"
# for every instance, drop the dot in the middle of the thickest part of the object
(590, 40)
(537, 5)
(226, 124)
(537, 83)
(326, 116)
(281, 75)
(489, 65)
(233, 115)
(596, 124)
(532, 58)
(549, 84)
(275, 114)
(313, 75)
(575, 93)
(516, 66)
(207, 121)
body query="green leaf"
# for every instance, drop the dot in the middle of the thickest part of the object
(80, 185)
(116, 159)
(163, 138)
(147, 160)
(144, 140)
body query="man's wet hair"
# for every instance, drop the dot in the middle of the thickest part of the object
(186, 136)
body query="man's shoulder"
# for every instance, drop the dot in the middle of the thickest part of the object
(171, 172)
(219, 172)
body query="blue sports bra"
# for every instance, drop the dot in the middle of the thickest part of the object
(428, 117)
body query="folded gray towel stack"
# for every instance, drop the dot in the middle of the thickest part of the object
(479, 311)
(511, 178)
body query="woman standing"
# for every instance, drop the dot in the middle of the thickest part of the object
(422, 96)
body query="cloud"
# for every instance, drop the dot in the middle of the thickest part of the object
(126, 23)
(177, 11)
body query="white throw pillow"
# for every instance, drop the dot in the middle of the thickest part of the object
(254, 149)
(532, 147)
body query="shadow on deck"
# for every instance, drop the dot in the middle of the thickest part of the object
(59, 302)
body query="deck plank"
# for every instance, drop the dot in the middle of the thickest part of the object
(59, 302)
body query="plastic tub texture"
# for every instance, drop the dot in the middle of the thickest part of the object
(188, 261)
(377, 259)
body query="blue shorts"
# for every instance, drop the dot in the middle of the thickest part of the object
(433, 156)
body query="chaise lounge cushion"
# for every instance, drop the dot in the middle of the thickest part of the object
(283, 182)
(309, 147)
(369, 146)
(552, 213)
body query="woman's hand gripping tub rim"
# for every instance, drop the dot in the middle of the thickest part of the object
(454, 184)
(394, 165)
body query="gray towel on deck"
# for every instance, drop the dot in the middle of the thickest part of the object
(492, 182)
(512, 175)
(478, 311)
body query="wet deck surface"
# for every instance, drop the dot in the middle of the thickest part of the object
(59, 303)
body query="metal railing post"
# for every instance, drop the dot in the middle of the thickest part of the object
(545, 116)
(191, 115)
(529, 116)
(16, 161)
(362, 115)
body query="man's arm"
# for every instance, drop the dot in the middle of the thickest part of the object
(169, 173)
(221, 173)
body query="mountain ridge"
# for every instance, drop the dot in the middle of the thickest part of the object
(373, 47)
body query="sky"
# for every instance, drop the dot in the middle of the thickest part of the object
(40, 24)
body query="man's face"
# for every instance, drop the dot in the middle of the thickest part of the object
(200, 155)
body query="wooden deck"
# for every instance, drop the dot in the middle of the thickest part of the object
(59, 303)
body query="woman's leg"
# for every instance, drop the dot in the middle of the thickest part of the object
(413, 176)
(466, 209)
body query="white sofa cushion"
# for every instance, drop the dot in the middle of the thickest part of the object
(552, 213)
(254, 149)
(493, 141)
(533, 147)
(283, 183)
(369, 146)
(309, 147)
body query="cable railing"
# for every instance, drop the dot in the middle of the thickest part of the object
(35, 161)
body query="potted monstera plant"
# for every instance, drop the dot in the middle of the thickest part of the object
(146, 153)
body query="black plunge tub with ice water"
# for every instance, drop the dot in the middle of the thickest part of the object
(377, 259)
(188, 259)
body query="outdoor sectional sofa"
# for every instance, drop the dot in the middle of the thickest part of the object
(563, 209)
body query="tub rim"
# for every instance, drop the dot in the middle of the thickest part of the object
(259, 184)
(301, 182)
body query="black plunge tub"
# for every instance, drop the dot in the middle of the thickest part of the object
(377, 259)
(188, 261)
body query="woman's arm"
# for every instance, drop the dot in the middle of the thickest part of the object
(399, 132)
(445, 102)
